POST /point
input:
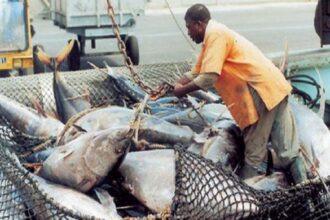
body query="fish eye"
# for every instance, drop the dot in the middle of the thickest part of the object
(119, 149)
(123, 145)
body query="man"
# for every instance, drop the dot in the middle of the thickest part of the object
(253, 89)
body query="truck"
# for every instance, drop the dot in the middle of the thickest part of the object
(89, 21)
(16, 52)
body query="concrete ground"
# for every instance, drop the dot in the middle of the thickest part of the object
(159, 4)
(41, 9)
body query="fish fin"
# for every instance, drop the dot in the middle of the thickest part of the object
(105, 199)
(43, 57)
(200, 138)
(67, 153)
(111, 72)
(52, 113)
(79, 128)
(206, 146)
(87, 95)
(284, 62)
(322, 96)
(36, 105)
(64, 52)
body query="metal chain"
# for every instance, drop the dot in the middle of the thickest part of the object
(163, 89)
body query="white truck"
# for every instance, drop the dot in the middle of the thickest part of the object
(89, 20)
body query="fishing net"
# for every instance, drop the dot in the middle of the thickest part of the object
(97, 84)
(203, 190)
(21, 196)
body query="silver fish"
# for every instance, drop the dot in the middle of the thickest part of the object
(107, 201)
(150, 177)
(76, 201)
(135, 93)
(222, 143)
(222, 149)
(273, 182)
(86, 161)
(68, 198)
(209, 112)
(68, 101)
(29, 121)
(314, 136)
(207, 96)
(126, 86)
(151, 128)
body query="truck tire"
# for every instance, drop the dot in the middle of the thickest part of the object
(38, 66)
(4, 73)
(74, 57)
(132, 49)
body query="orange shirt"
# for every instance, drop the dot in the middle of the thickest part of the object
(240, 64)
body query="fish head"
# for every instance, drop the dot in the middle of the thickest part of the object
(107, 149)
(54, 127)
(123, 145)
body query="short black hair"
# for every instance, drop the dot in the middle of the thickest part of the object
(198, 12)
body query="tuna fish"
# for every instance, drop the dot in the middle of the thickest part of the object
(150, 177)
(59, 196)
(210, 112)
(314, 137)
(40, 156)
(271, 183)
(151, 129)
(225, 146)
(75, 201)
(68, 101)
(87, 160)
(136, 94)
(29, 121)
(207, 96)
(126, 86)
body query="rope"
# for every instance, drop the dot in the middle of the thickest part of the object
(178, 25)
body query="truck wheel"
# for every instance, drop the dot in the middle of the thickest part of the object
(74, 57)
(4, 73)
(132, 49)
(38, 66)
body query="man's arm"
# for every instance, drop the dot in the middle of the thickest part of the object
(183, 80)
(186, 78)
(181, 90)
(202, 81)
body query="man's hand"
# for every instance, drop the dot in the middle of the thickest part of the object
(184, 80)
(181, 90)
(177, 91)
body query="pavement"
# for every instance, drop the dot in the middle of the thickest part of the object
(161, 4)
(39, 8)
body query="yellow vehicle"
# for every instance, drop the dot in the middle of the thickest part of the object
(16, 52)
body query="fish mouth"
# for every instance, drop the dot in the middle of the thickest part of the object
(124, 149)
(124, 146)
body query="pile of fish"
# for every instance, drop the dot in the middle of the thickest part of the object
(96, 153)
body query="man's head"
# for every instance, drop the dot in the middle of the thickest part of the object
(197, 18)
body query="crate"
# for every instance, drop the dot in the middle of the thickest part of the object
(93, 13)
